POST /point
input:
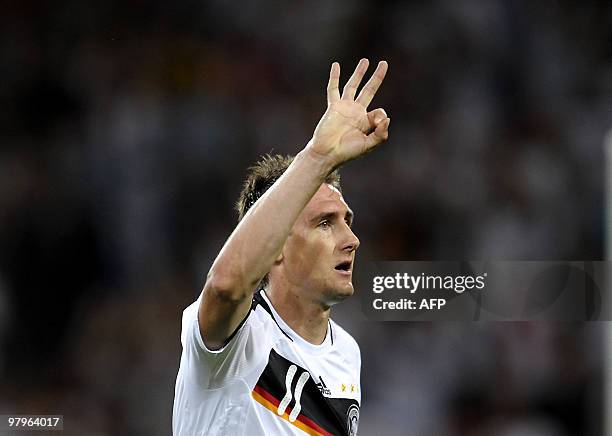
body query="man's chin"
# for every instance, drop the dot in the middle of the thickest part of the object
(340, 293)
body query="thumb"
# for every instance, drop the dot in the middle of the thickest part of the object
(380, 134)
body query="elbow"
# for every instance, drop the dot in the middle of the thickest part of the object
(224, 287)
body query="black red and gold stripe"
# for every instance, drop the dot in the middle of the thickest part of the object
(319, 415)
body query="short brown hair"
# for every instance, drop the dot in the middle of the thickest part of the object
(262, 175)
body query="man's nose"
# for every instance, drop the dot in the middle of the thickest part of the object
(352, 241)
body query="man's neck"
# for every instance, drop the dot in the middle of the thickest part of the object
(307, 318)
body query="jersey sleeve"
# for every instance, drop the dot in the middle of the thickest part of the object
(215, 368)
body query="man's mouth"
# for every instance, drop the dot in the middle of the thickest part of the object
(344, 267)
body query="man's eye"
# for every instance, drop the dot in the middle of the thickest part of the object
(325, 224)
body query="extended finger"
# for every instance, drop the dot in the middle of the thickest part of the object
(369, 90)
(380, 134)
(333, 94)
(351, 86)
(376, 116)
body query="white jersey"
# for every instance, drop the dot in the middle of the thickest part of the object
(267, 380)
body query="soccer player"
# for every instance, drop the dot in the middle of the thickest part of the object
(261, 355)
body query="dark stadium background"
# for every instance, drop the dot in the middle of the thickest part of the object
(126, 128)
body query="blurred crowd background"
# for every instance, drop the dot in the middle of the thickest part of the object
(125, 131)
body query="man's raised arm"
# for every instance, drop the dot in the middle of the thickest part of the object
(345, 132)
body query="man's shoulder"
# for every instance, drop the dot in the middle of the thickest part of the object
(343, 338)
(192, 308)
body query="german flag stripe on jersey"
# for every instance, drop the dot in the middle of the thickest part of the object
(302, 422)
(318, 415)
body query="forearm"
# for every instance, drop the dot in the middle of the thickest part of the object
(257, 241)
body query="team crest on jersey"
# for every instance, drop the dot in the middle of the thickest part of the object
(352, 420)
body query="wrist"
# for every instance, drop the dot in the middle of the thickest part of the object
(323, 163)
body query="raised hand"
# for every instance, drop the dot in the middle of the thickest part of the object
(346, 130)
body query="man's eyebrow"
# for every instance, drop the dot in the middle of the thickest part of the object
(349, 215)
